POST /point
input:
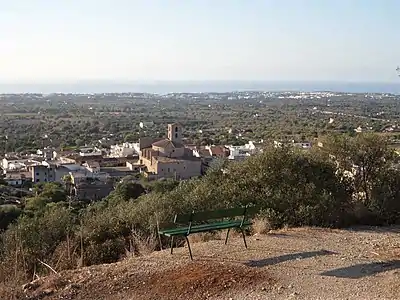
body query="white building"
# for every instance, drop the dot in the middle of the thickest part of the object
(90, 152)
(11, 162)
(238, 152)
(146, 124)
(93, 167)
(124, 150)
(302, 145)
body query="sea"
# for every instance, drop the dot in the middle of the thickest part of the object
(164, 87)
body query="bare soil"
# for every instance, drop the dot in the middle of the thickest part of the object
(304, 263)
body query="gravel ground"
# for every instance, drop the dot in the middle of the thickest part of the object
(303, 263)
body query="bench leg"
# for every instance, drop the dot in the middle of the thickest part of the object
(190, 250)
(227, 235)
(172, 244)
(244, 237)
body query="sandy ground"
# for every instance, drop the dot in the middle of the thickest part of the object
(304, 263)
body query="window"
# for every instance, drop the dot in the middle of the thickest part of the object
(45, 180)
(51, 169)
(37, 174)
(176, 129)
(176, 135)
(37, 180)
(169, 170)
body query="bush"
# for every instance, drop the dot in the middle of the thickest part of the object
(8, 214)
(36, 238)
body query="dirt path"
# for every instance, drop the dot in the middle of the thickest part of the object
(293, 264)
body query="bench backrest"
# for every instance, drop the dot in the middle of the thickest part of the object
(215, 214)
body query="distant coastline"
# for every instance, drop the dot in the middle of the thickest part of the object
(162, 87)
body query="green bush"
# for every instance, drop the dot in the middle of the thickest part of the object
(8, 214)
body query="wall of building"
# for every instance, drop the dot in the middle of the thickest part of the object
(170, 151)
(14, 182)
(60, 172)
(43, 174)
(182, 169)
(175, 132)
(145, 142)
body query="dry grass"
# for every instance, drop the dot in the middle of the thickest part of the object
(12, 276)
(141, 244)
(204, 237)
(261, 226)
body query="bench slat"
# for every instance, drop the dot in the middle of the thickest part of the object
(203, 228)
(210, 215)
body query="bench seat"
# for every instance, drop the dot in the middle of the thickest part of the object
(182, 231)
(203, 221)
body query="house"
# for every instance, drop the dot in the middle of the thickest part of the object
(133, 166)
(11, 162)
(14, 179)
(85, 175)
(146, 124)
(358, 129)
(90, 152)
(168, 158)
(238, 152)
(41, 173)
(92, 189)
(123, 150)
(255, 147)
(117, 173)
(46, 153)
(219, 151)
(302, 145)
(202, 153)
(92, 166)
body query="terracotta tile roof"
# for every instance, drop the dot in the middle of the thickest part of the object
(218, 151)
(166, 142)
(177, 160)
(204, 153)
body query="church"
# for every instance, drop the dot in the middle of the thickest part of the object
(168, 158)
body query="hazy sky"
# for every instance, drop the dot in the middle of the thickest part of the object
(68, 40)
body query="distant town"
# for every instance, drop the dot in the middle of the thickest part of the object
(168, 144)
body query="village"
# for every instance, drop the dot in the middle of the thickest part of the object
(94, 172)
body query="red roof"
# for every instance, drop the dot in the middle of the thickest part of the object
(218, 151)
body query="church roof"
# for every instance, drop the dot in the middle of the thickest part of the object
(166, 142)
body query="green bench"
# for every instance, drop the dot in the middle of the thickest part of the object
(196, 222)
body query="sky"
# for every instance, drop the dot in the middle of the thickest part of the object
(264, 40)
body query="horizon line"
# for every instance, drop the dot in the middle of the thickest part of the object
(156, 81)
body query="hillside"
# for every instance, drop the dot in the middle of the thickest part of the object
(304, 263)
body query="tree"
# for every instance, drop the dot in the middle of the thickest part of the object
(126, 190)
(365, 157)
(38, 235)
(8, 214)
(385, 195)
(45, 193)
(162, 186)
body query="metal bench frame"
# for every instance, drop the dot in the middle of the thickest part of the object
(189, 219)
